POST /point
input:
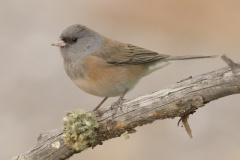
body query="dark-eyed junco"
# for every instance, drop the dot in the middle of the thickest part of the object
(104, 67)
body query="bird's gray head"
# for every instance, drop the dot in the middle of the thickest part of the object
(76, 41)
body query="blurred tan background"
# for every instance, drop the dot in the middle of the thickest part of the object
(36, 93)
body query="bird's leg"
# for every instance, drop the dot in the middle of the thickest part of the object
(101, 103)
(119, 102)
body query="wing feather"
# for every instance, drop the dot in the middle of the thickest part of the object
(119, 53)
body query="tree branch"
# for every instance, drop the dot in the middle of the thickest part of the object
(177, 100)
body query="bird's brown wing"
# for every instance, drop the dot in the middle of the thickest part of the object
(120, 53)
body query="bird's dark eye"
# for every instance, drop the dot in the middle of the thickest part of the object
(74, 39)
(69, 40)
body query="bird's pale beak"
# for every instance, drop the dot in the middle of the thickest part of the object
(59, 43)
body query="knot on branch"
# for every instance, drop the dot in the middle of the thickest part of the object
(80, 129)
(190, 104)
(235, 67)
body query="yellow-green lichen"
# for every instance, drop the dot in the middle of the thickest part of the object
(79, 129)
(125, 135)
(56, 144)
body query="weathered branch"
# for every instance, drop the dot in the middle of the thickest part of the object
(174, 101)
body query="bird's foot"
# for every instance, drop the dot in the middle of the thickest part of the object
(116, 105)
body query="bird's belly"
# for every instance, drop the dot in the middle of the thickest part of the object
(106, 88)
(101, 79)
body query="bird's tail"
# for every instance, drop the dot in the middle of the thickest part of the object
(176, 58)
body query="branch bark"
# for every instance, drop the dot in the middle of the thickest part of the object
(177, 100)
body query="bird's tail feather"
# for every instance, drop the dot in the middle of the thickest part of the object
(175, 58)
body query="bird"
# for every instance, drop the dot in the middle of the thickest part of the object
(105, 67)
